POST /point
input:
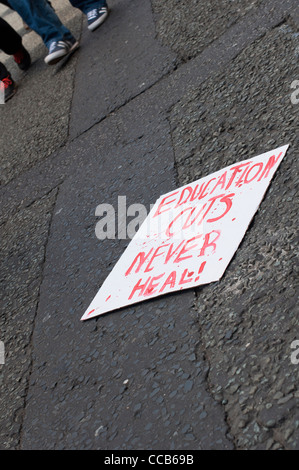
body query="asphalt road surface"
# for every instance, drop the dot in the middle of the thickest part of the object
(163, 93)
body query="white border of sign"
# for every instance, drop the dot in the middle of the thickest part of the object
(190, 235)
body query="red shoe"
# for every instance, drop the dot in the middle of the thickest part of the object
(8, 86)
(22, 58)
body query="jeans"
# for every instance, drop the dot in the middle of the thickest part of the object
(39, 15)
(10, 40)
(10, 43)
(87, 5)
(3, 71)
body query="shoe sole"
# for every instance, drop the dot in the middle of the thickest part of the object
(25, 67)
(98, 23)
(55, 57)
(11, 94)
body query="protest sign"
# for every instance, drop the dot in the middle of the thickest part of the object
(190, 235)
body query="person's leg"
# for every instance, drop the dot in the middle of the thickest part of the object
(11, 44)
(3, 71)
(43, 20)
(10, 40)
(87, 5)
(95, 10)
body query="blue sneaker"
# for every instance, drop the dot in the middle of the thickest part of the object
(96, 17)
(60, 49)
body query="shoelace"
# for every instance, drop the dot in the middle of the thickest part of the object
(92, 14)
(18, 57)
(53, 46)
(7, 82)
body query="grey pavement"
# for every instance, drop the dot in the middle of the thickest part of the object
(161, 94)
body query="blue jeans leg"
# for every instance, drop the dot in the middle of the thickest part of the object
(42, 19)
(88, 5)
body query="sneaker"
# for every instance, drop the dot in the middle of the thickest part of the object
(22, 58)
(8, 86)
(60, 49)
(96, 17)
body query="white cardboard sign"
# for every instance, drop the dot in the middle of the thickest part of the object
(190, 235)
